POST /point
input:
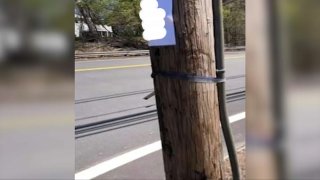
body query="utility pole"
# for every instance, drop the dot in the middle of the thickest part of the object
(187, 103)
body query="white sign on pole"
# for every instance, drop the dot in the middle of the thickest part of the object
(157, 22)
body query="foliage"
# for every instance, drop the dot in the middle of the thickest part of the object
(234, 23)
(123, 16)
(300, 34)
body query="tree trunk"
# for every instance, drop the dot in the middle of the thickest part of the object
(188, 111)
(85, 12)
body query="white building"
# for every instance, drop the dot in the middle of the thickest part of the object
(81, 28)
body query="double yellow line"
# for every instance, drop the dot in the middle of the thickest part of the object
(112, 67)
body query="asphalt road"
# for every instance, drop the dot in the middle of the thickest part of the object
(112, 91)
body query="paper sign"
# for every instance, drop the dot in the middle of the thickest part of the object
(157, 22)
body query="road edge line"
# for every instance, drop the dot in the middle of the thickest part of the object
(118, 161)
(130, 156)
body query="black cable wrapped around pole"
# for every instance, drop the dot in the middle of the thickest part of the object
(219, 50)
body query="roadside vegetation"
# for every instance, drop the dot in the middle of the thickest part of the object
(123, 17)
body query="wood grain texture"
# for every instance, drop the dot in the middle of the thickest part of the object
(188, 111)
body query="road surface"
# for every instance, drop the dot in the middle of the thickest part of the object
(112, 91)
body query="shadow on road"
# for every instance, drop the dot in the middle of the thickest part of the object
(132, 119)
(114, 123)
(80, 101)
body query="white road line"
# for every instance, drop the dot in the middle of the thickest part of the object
(128, 157)
(118, 161)
(237, 117)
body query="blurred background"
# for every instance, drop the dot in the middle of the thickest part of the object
(36, 91)
(283, 99)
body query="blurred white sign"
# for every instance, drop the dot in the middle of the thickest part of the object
(157, 22)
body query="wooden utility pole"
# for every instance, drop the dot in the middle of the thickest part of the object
(188, 110)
